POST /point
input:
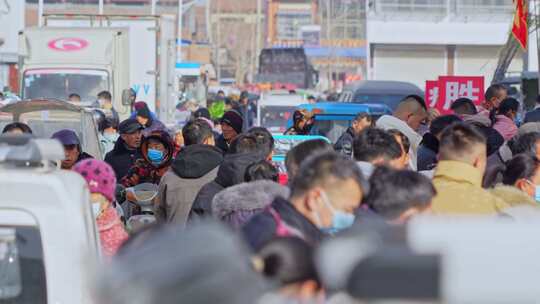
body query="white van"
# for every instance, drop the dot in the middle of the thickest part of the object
(48, 236)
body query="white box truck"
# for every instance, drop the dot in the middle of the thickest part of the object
(150, 55)
(55, 62)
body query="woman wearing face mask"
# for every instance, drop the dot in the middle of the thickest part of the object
(521, 182)
(102, 183)
(108, 135)
(157, 150)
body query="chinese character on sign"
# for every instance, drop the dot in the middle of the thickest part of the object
(432, 93)
(454, 87)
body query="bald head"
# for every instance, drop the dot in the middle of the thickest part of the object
(412, 110)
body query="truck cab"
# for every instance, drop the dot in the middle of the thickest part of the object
(56, 62)
(333, 118)
(275, 108)
(48, 236)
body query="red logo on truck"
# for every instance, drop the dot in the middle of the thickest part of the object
(68, 44)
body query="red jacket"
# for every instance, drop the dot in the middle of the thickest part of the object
(111, 232)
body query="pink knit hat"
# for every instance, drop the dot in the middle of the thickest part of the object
(99, 176)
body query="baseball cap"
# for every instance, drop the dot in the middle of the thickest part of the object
(66, 137)
(129, 126)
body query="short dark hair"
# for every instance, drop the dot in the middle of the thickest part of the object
(105, 94)
(299, 153)
(265, 140)
(507, 105)
(493, 91)
(363, 115)
(261, 170)
(289, 260)
(463, 106)
(107, 122)
(17, 125)
(392, 192)
(244, 143)
(321, 168)
(74, 95)
(196, 132)
(419, 99)
(458, 141)
(442, 122)
(373, 143)
(521, 166)
(524, 144)
(405, 142)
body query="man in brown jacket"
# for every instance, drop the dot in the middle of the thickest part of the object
(195, 166)
(458, 177)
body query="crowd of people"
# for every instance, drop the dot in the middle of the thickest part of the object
(225, 222)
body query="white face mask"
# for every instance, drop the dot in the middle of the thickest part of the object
(96, 209)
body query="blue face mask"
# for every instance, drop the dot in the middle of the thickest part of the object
(155, 156)
(340, 220)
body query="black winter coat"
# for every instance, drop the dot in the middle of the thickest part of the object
(262, 227)
(121, 158)
(222, 144)
(231, 172)
(344, 144)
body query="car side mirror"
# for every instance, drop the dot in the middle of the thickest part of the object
(126, 97)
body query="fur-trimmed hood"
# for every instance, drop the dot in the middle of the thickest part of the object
(513, 196)
(247, 197)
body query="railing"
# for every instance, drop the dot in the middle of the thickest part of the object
(437, 9)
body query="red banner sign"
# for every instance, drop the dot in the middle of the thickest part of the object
(441, 93)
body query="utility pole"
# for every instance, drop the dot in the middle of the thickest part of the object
(329, 40)
(179, 44)
(40, 13)
(153, 9)
(258, 35)
(208, 22)
(218, 40)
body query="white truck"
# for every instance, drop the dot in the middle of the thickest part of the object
(84, 54)
(49, 242)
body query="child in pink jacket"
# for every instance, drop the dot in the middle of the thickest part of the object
(102, 183)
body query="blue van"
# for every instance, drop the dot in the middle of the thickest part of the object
(333, 118)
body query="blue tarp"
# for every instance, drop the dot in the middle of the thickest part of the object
(336, 52)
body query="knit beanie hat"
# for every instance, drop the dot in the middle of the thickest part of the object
(99, 176)
(233, 119)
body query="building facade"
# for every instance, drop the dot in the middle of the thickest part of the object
(419, 40)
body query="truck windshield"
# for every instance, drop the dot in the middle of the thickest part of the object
(275, 118)
(59, 84)
(331, 129)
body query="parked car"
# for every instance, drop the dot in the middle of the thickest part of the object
(389, 93)
(333, 118)
(46, 116)
(48, 237)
